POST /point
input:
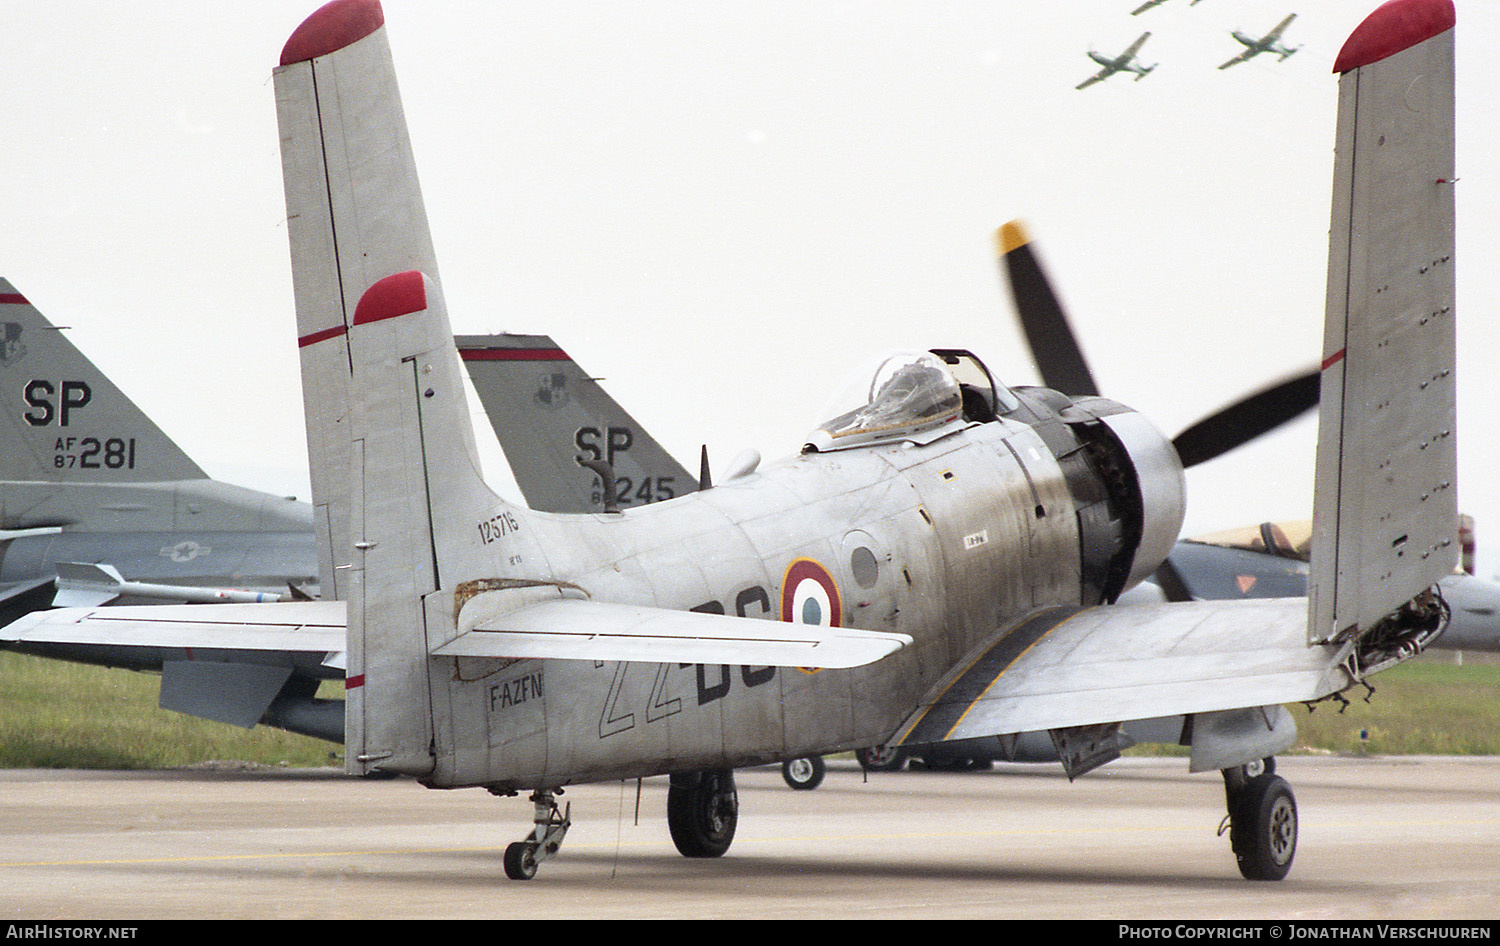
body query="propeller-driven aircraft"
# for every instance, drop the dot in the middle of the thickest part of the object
(939, 561)
(1269, 43)
(1153, 3)
(1125, 62)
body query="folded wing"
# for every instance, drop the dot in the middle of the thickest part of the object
(1066, 667)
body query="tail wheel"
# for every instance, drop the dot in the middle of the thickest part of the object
(804, 773)
(702, 812)
(881, 758)
(520, 860)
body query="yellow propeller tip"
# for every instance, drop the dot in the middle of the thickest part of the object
(1012, 236)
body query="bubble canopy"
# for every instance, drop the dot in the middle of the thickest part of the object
(909, 396)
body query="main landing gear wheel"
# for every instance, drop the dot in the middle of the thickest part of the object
(1262, 822)
(703, 810)
(881, 758)
(805, 773)
(551, 825)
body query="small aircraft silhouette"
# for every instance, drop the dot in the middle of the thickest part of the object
(1266, 44)
(1121, 63)
(1153, 3)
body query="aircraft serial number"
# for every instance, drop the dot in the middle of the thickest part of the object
(498, 527)
(92, 453)
(650, 490)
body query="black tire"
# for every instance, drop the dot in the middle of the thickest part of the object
(881, 758)
(805, 773)
(520, 860)
(702, 812)
(1263, 828)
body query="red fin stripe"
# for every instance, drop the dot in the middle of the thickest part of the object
(513, 354)
(323, 336)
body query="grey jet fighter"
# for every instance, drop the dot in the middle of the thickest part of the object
(942, 558)
(1269, 43)
(1125, 62)
(87, 477)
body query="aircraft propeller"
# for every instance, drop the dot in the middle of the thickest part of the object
(1060, 360)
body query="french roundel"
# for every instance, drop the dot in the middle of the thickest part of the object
(809, 595)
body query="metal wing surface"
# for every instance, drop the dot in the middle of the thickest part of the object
(1135, 47)
(593, 630)
(1065, 667)
(564, 629)
(308, 627)
(1099, 76)
(1280, 28)
(1248, 54)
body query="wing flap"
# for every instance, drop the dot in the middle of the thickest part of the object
(575, 629)
(1067, 667)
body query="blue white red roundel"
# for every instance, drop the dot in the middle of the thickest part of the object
(809, 595)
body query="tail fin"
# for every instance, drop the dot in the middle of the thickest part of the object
(70, 424)
(557, 415)
(417, 495)
(1385, 513)
(354, 215)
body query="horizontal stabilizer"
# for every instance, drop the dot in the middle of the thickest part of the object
(315, 627)
(575, 629)
(1067, 667)
(568, 629)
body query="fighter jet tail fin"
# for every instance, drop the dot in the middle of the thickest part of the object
(548, 413)
(71, 425)
(1385, 514)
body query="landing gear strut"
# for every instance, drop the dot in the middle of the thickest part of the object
(522, 857)
(703, 810)
(1262, 820)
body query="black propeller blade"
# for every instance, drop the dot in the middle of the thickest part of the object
(1053, 347)
(1060, 360)
(1247, 418)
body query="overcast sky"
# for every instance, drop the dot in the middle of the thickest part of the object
(720, 207)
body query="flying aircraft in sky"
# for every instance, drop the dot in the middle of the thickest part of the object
(1125, 62)
(1269, 43)
(943, 555)
(1153, 3)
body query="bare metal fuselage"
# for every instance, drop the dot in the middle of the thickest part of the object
(942, 542)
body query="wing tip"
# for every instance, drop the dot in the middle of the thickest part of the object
(332, 27)
(1394, 26)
